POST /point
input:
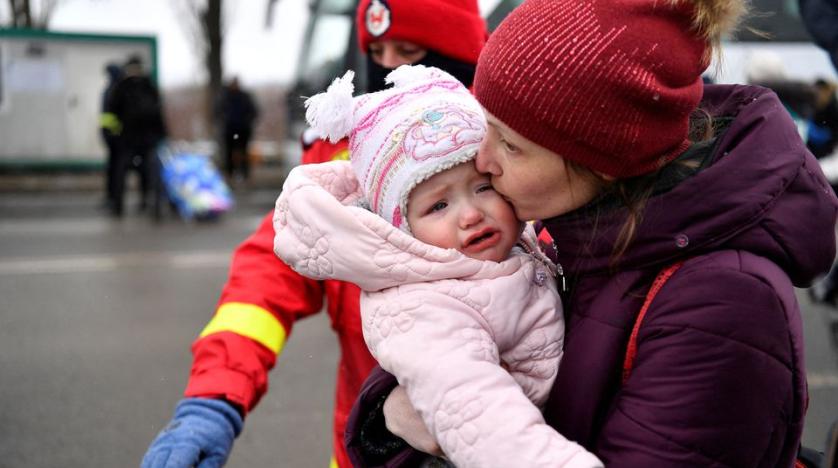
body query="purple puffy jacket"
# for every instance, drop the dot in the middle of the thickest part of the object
(719, 378)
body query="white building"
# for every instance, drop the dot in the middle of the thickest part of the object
(51, 88)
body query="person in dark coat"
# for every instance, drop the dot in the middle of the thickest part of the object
(110, 128)
(820, 17)
(595, 129)
(237, 112)
(766, 68)
(823, 131)
(822, 141)
(135, 101)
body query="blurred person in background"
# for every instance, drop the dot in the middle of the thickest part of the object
(821, 20)
(263, 297)
(823, 130)
(766, 68)
(237, 112)
(110, 128)
(135, 101)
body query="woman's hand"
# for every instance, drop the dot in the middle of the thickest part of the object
(403, 420)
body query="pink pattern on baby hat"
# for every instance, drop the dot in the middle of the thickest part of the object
(379, 182)
(426, 123)
(368, 121)
(443, 131)
(397, 217)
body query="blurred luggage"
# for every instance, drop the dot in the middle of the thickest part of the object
(192, 184)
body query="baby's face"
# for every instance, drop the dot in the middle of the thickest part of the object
(459, 209)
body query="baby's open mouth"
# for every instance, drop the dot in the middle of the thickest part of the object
(480, 238)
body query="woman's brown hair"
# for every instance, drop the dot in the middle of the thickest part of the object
(634, 193)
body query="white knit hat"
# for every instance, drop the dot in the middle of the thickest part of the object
(426, 123)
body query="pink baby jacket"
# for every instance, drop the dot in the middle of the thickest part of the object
(439, 321)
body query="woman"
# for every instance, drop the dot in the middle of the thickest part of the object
(596, 128)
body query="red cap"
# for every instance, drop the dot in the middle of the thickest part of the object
(608, 84)
(453, 28)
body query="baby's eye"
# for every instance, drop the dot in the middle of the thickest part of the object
(484, 187)
(438, 206)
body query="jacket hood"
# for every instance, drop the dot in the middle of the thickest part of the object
(763, 192)
(323, 233)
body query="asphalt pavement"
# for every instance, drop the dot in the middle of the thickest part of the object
(96, 318)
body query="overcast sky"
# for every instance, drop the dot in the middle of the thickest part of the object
(259, 55)
(256, 54)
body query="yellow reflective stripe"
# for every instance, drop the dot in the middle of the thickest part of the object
(248, 320)
(342, 155)
(110, 122)
(333, 463)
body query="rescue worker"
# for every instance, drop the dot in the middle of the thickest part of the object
(263, 297)
(110, 128)
(135, 101)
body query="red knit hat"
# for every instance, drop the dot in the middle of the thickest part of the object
(608, 84)
(453, 28)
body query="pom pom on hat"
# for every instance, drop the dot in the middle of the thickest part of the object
(330, 113)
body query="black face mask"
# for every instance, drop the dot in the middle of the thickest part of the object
(459, 70)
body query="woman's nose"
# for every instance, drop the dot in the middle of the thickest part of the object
(484, 162)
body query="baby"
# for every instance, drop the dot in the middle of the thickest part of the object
(453, 283)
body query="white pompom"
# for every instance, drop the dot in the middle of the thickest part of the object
(407, 74)
(330, 113)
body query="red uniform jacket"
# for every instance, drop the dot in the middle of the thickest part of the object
(259, 304)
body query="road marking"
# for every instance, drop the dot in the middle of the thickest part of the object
(65, 226)
(87, 226)
(822, 380)
(102, 263)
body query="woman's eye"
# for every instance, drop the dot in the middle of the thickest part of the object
(509, 146)
(407, 52)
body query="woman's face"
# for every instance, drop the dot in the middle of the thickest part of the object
(538, 182)
(390, 53)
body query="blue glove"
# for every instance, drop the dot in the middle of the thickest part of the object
(200, 434)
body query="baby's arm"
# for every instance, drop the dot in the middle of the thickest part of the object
(440, 350)
(534, 359)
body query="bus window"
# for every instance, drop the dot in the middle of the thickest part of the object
(496, 10)
(772, 26)
(328, 47)
(2, 77)
(337, 6)
(775, 21)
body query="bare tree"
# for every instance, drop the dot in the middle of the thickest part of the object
(31, 15)
(211, 23)
(269, 13)
(204, 24)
